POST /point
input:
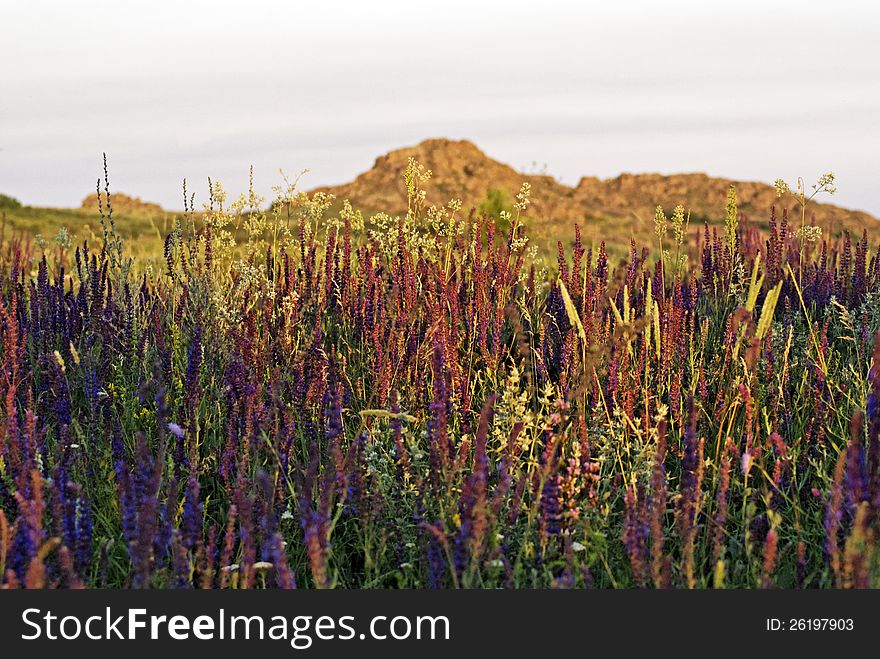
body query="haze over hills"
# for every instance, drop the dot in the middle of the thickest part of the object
(614, 209)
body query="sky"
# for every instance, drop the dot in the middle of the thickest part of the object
(190, 89)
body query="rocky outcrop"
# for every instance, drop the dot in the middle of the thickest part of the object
(461, 170)
(122, 204)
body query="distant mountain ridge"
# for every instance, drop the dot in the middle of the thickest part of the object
(461, 170)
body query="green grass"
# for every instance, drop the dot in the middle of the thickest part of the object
(144, 234)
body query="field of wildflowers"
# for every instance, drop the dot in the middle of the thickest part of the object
(306, 399)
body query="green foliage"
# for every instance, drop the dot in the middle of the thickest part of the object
(499, 206)
(9, 203)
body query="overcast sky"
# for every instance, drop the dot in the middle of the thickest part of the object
(195, 89)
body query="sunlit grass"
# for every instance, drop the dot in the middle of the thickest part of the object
(297, 392)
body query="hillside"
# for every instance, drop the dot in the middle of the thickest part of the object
(122, 203)
(143, 224)
(613, 209)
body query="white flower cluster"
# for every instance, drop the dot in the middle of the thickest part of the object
(809, 234)
(660, 222)
(826, 183)
(523, 197)
(781, 187)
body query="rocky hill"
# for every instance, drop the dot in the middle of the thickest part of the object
(122, 203)
(614, 209)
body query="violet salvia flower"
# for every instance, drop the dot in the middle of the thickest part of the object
(551, 508)
(636, 533)
(139, 499)
(719, 516)
(333, 425)
(181, 565)
(401, 451)
(29, 534)
(438, 425)
(246, 534)
(266, 512)
(660, 564)
(873, 414)
(60, 409)
(834, 515)
(82, 545)
(856, 468)
(284, 576)
(165, 529)
(691, 494)
(92, 386)
(473, 504)
(193, 366)
(436, 549)
(191, 527)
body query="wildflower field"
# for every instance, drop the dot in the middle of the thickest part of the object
(306, 398)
